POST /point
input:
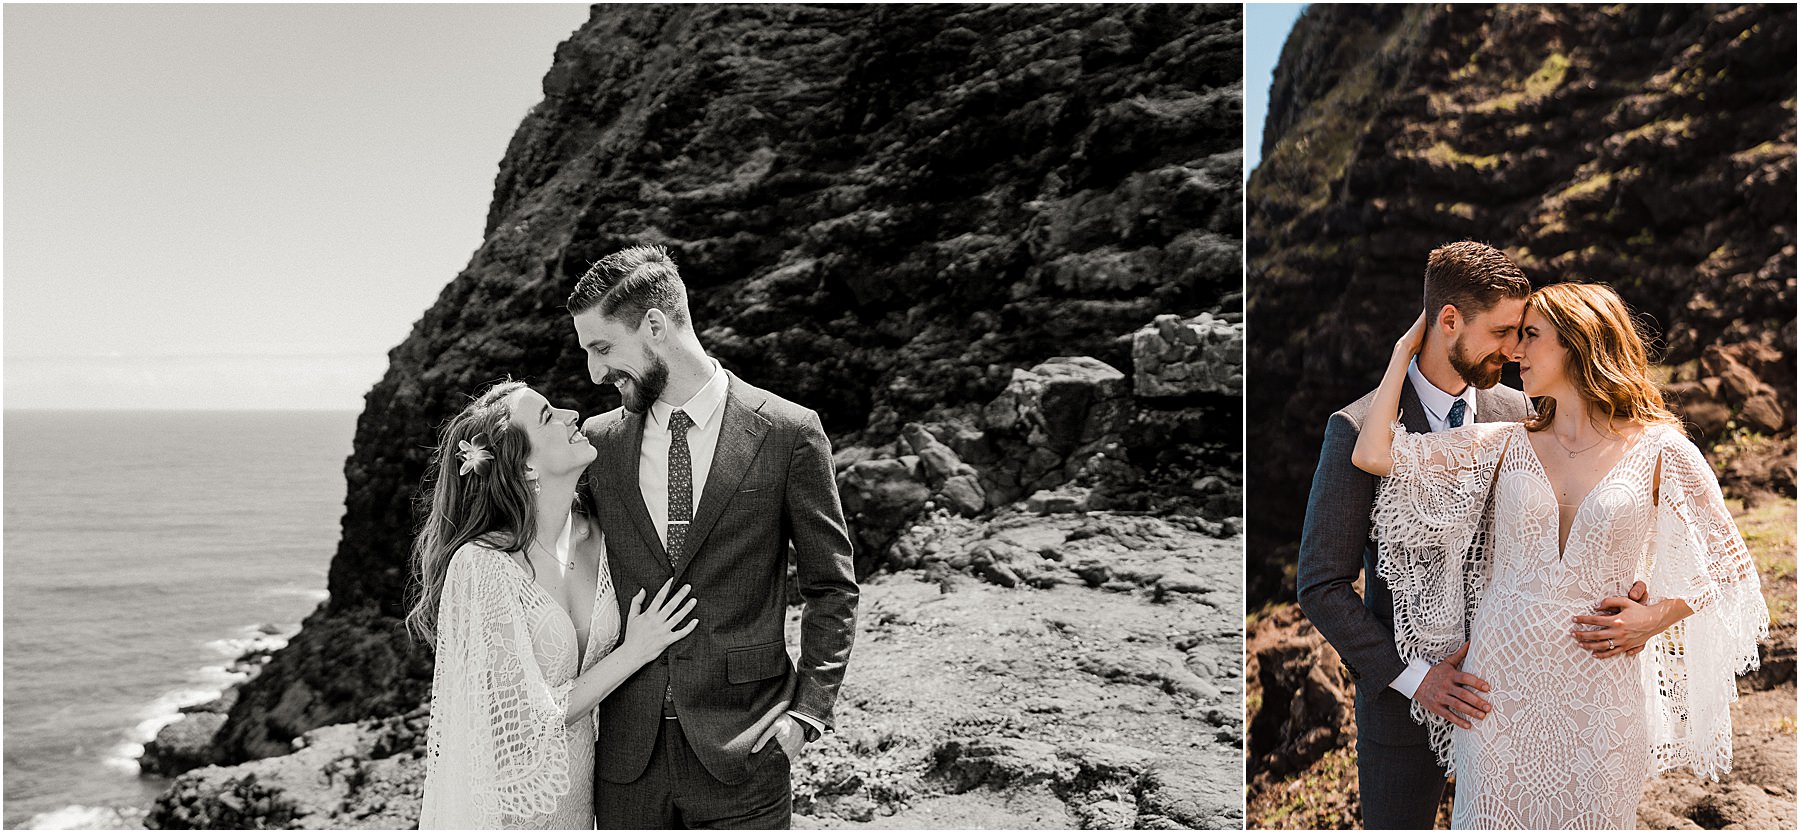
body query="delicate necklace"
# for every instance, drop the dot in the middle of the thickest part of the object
(1572, 454)
(569, 564)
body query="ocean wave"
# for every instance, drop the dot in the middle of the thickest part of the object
(263, 637)
(80, 817)
(205, 685)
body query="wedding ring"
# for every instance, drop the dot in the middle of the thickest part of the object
(1609, 645)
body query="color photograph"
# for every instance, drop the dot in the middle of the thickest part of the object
(1520, 444)
(627, 416)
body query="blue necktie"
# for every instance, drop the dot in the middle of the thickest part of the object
(1457, 412)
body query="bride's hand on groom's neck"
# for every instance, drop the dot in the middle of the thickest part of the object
(1413, 340)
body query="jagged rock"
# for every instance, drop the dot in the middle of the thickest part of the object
(879, 497)
(1203, 354)
(1177, 795)
(1302, 701)
(353, 775)
(1054, 420)
(1061, 501)
(183, 745)
(963, 495)
(939, 461)
(967, 763)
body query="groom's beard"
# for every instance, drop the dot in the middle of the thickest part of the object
(1481, 373)
(648, 389)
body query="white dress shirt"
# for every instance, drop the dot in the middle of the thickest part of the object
(707, 409)
(1437, 404)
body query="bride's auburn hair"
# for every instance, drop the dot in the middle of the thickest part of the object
(493, 503)
(1609, 363)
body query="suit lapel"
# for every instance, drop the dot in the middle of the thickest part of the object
(1412, 411)
(740, 437)
(630, 453)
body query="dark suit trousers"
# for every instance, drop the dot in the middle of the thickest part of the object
(1397, 773)
(676, 792)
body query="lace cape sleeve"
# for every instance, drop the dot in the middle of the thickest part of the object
(1691, 669)
(1431, 526)
(498, 743)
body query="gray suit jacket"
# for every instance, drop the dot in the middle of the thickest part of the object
(771, 484)
(1335, 542)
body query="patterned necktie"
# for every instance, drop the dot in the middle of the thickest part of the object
(681, 483)
(1457, 412)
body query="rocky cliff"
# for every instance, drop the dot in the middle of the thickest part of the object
(996, 247)
(1647, 147)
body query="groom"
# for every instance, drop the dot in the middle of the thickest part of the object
(709, 480)
(1474, 299)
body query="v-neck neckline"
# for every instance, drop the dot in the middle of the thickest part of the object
(593, 606)
(1562, 544)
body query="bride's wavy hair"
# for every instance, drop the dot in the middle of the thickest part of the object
(492, 503)
(1609, 360)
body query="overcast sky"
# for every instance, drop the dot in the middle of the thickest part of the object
(245, 207)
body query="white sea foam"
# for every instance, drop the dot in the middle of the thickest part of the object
(79, 817)
(123, 757)
(253, 638)
(204, 685)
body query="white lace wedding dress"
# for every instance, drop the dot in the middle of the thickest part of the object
(1468, 525)
(500, 754)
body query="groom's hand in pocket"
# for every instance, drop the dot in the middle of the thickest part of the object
(1451, 694)
(786, 732)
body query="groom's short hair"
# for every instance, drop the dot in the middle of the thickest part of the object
(1472, 277)
(630, 282)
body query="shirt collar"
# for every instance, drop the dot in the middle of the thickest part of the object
(1435, 399)
(702, 406)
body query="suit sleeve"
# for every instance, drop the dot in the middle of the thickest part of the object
(1331, 557)
(825, 572)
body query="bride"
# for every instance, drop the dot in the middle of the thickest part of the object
(1504, 534)
(515, 591)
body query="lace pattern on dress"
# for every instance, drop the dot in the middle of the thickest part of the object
(1699, 556)
(1433, 542)
(498, 743)
(1434, 523)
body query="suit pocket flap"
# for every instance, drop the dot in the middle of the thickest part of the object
(756, 662)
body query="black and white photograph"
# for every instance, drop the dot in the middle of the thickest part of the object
(626, 416)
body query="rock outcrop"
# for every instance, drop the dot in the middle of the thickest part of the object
(1647, 147)
(1200, 355)
(895, 215)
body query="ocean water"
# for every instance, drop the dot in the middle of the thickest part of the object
(144, 552)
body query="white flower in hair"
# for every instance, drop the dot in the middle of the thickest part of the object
(472, 455)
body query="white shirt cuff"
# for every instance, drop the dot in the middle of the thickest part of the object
(821, 727)
(1408, 681)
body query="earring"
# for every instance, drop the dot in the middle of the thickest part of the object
(537, 488)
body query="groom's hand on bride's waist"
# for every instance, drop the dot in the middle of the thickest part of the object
(1451, 694)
